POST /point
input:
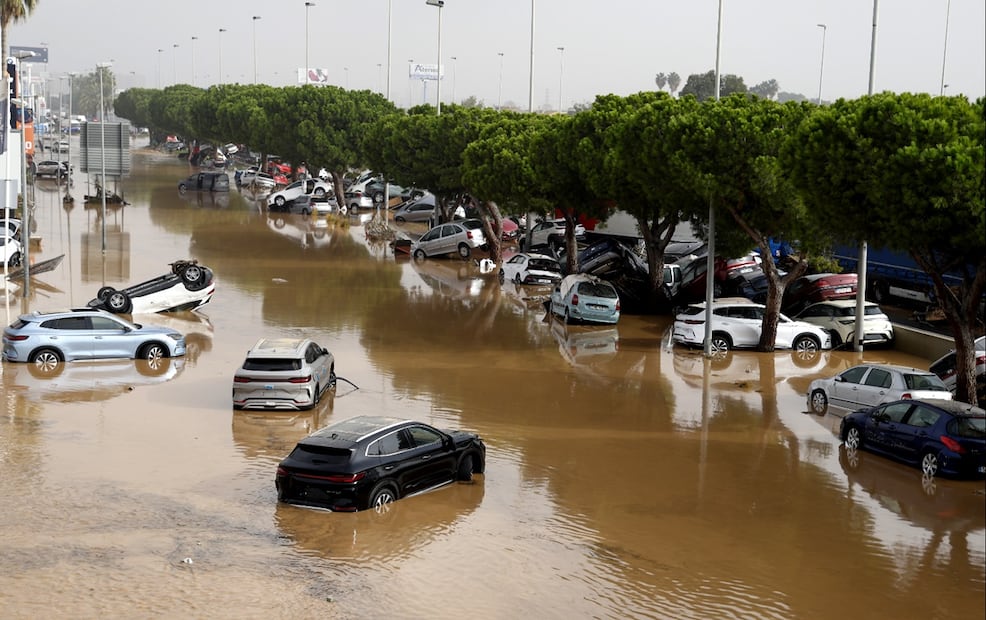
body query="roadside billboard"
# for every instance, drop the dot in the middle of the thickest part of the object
(421, 71)
(313, 76)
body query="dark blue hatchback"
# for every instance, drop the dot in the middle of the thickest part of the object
(941, 437)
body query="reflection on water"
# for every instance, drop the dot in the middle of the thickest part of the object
(623, 479)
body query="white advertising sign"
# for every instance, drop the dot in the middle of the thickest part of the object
(313, 76)
(419, 71)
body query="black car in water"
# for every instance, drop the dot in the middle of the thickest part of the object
(371, 461)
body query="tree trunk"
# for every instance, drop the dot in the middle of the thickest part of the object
(340, 192)
(492, 228)
(775, 294)
(571, 244)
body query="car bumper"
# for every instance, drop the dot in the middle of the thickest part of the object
(304, 491)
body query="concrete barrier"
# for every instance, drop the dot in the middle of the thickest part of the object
(921, 343)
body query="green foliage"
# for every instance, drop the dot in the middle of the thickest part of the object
(703, 86)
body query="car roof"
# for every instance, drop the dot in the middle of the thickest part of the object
(840, 303)
(955, 407)
(348, 433)
(728, 301)
(47, 314)
(278, 347)
(895, 368)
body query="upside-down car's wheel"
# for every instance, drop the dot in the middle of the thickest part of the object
(119, 302)
(192, 275)
(104, 292)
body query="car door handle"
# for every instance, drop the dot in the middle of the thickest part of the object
(426, 457)
(388, 467)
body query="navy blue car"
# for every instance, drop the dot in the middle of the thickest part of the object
(942, 437)
(370, 461)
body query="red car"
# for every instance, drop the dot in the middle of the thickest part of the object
(817, 287)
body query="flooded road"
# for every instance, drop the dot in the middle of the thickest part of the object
(623, 478)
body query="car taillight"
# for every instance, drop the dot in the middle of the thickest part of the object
(469, 235)
(281, 471)
(617, 305)
(981, 360)
(239, 379)
(575, 300)
(905, 396)
(304, 379)
(694, 321)
(15, 337)
(951, 444)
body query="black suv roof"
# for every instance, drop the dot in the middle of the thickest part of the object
(348, 433)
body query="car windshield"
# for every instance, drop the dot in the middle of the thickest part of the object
(597, 289)
(966, 426)
(260, 363)
(924, 382)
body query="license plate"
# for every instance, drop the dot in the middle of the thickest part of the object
(268, 387)
(982, 469)
(843, 290)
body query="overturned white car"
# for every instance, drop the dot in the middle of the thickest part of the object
(188, 286)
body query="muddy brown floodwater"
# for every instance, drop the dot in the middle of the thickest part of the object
(623, 479)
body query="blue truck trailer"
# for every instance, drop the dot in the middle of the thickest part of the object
(892, 275)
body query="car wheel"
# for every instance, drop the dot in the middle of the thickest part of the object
(721, 343)
(819, 402)
(465, 469)
(119, 302)
(192, 275)
(806, 345)
(464, 250)
(517, 279)
(306, 211)
(181, 188)
(930, 464)
(320, 191)
(382, 496)
(104, 292)
(317, 396)
(46, 362)
(153, 354)
(502, 277)
(420, 254)
(399, 219)
(153, 368)
(377, 198)
(279, 201)
(853, 438)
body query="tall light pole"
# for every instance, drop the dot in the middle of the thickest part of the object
(379, 70)
(710, 263)
(346, 69)
(410, 67)
(308, 5)
(23, 181)
(944, 53)
(561, 71)
(255, 18)
(499, 88)
(194, 39)
(102, 148)
(159, 52)
(438, 66)
(174, 62)
(221, 31)
(530, 85)
(390, 10)
(453, 58)
(864, 245)
(821, 66)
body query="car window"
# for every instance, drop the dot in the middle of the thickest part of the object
(818, 310)
(448, 230)
(423, 436)
(878, 378)
(102, 322)
(967, 426)
(388, 444)
(431, 234)
(69, 323)
(271, 364)
(597, 289)
(924, 382)
(854, 375)
(895, 412)
(923, 417)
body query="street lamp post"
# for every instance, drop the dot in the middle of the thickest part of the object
(821, 65)
(438, 66)
(346, 69)
(308, 5)
(711, 259)
(561, 71)
(379, 70)
(221, 31)
(944, 53)
(410, 65)
(499, 88)
(174, 62)
(102, 149)
(159, 52)
(530, 85)
(390, 11)
(453, 58)
(26, 248)
(194, 39)
(255, 18)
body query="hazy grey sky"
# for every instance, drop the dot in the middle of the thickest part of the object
(609, 47)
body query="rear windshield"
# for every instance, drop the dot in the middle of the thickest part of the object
(973, 428)
(594, 289)
(263, 363)
(851, 311)
(321, 454)
(472, 224)
(19, 323)
(693, 310)
(543, 265)
(924, 382)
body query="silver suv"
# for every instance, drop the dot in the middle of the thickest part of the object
(462, 236)
(283, 373)
(47, 338)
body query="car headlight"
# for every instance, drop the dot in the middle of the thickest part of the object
(175, 336)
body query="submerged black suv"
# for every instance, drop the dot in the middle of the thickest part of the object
(370, 461)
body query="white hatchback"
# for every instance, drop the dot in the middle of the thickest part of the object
(838, 316)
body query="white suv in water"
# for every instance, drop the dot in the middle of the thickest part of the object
(283, 373)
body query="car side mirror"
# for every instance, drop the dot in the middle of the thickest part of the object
(838, 379)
